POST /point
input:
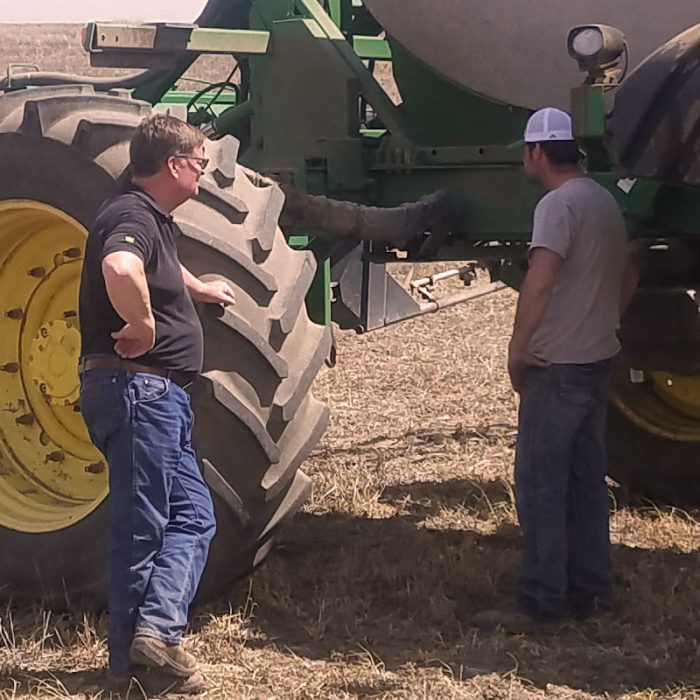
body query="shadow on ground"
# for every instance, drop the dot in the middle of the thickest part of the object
(423, 499)
(395, 593)
(91, 683)
(406, 593)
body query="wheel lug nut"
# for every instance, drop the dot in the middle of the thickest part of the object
(15, 314)
(95, 468)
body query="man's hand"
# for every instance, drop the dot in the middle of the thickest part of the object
(518, 361)
(216, 292)
(134, 340)
(534, 298)
(125, 280)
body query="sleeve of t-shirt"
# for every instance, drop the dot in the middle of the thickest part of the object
(551, 227)
(133, 235)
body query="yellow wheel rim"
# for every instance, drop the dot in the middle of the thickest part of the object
(662, 403)
(51, 475)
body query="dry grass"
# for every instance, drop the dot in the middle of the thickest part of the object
(411, 529)
(57, 47)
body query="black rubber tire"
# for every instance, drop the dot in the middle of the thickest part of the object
(650, 466)
(255, 417)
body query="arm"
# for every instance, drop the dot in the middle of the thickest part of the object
(532, 304)
(192, 284)
(127, 289)
(216, 292)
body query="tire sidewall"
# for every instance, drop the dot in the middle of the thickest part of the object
(67, 567)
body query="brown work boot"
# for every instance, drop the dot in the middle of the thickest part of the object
(514, 621)
(155, 683)
(169, 658)
(160, 683)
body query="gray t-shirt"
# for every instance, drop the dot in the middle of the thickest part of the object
(581, 222)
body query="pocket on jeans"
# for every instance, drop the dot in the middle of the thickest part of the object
(101, 405)
(146, 388)
(578, 385)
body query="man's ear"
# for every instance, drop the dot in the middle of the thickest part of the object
(170, 165)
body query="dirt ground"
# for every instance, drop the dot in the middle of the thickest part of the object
(410, 530)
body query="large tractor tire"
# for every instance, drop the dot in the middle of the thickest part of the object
(654, 417)
(652, 466)
(63, 149)
(654, 435)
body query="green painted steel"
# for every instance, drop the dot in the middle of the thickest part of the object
(314, 116)
(318, 300)
(441, 113)
(163, 38)
(372, 47)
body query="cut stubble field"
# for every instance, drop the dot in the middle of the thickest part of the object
(410, 531)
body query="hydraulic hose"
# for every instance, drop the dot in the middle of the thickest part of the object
(436, 213)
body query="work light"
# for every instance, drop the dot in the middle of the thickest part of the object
(598, 49)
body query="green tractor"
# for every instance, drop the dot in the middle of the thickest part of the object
(318, 181)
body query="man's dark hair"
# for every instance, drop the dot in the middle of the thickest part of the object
(559, 152)
(157, 138)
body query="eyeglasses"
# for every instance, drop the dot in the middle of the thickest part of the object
(201, 162)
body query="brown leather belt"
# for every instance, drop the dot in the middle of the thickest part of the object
(89, 362)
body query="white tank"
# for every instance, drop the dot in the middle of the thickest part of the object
(515, 50)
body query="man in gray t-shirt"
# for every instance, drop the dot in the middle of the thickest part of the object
(580, 223)
(579, 280)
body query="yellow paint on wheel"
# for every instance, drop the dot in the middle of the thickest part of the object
(662, 403)
(681, 392)
(51, 475)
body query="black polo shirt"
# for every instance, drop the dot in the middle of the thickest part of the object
(133, 221)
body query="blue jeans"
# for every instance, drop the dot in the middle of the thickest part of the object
(162, 512)
(560, 490)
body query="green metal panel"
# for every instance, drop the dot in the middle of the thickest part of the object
(151, 40)
(588, 111)
(264, 14)
(293, 118)
(224, 101)
(441, 113)
(303, 107)
(228, 41)
(372, 92)
(496, 202)
(372, 47)
(340, 12)
(318, 298)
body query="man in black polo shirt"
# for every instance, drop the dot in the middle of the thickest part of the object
(141, 345)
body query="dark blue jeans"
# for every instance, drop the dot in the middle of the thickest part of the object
(162, 512)
(560, 490)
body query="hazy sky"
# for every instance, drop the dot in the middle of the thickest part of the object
(81, 11)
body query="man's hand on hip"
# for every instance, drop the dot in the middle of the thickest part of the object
(518, 361)
(134, 340)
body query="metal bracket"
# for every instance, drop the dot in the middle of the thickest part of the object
(160, 45)
(367, 297)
